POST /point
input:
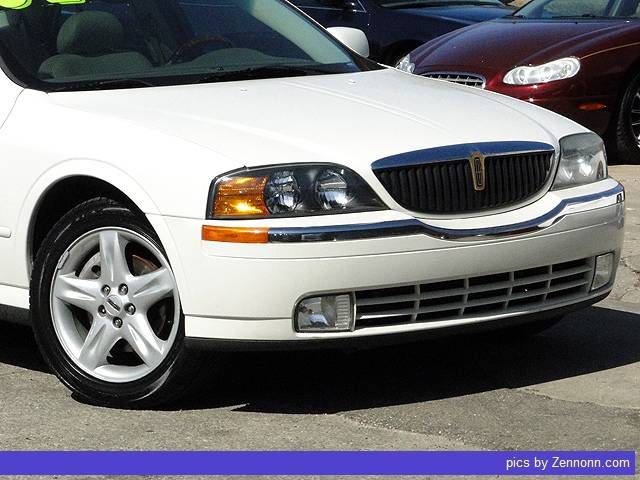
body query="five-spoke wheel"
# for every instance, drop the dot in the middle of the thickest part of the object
(115, 305)
(106, 309)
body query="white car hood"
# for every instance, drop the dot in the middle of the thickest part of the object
(352, 119)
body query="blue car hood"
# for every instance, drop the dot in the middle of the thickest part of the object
(462, 14)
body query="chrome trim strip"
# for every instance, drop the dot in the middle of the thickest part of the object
(534, 224)
(451, 153)
(335, 233)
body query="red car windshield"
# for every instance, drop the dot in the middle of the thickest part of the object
(558, 9)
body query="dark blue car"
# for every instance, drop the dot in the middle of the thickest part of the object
(396, 27)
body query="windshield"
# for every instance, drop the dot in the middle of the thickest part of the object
(435, 3)
(93, 44)
(558, 9)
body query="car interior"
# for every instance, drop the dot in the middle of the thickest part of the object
(120, 38)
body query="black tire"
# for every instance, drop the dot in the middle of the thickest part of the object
(175, 377)
(530, 329)
(624, 141)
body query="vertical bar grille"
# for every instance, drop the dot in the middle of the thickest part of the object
(447, 187)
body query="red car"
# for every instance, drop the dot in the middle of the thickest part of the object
(579, 58)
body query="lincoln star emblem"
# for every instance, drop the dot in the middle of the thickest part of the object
(478, 171)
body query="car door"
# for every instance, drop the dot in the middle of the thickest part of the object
(336, 13)
(10, 200)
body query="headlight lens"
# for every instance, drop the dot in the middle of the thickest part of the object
(332, 190)
(583, 160)
(282, 193)
(549, 72)
(294, 190)
(406, 65)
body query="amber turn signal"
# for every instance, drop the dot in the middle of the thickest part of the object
(240, 196)
(235, 234)
(592, 107)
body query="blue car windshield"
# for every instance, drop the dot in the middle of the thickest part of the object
(559, 9)
(97, 44)
(436, 3)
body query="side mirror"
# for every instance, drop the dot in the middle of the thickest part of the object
(353, 38)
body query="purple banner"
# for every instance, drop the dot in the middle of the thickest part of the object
(318, 463)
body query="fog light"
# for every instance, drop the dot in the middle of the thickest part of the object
(325, 314)
(604, 271)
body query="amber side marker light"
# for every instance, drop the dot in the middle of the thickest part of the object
(235, 234)
(592, 107)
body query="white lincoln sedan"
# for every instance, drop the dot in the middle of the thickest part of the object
(180, 177)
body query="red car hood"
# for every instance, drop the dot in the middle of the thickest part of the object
(503, 43)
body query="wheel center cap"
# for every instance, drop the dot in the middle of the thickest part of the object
(114, 305)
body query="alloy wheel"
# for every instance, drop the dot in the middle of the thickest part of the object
(115, 305)
(635, 116)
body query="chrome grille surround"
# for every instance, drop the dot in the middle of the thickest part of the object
(440, 180)
(447, 188)
(476, 296)
(461, 78)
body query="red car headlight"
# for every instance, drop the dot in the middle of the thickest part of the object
(549, 72)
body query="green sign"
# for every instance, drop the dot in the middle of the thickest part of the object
(19, 4)
(15, 4)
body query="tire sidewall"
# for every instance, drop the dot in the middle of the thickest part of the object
(627, 144)
(91, 216)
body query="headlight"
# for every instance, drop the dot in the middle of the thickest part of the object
(289, 191)
(549, 72)
(406, 65)
(332, 191)
(282, 193)
(582, 160)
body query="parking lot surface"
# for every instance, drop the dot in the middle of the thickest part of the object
(574, 387)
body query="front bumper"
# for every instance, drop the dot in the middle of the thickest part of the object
(248, 293)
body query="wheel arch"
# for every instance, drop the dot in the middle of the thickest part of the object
(623, 152)
(61, 197)
(82, 180)
(65, 186)
(629, 74)
(626, 77)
